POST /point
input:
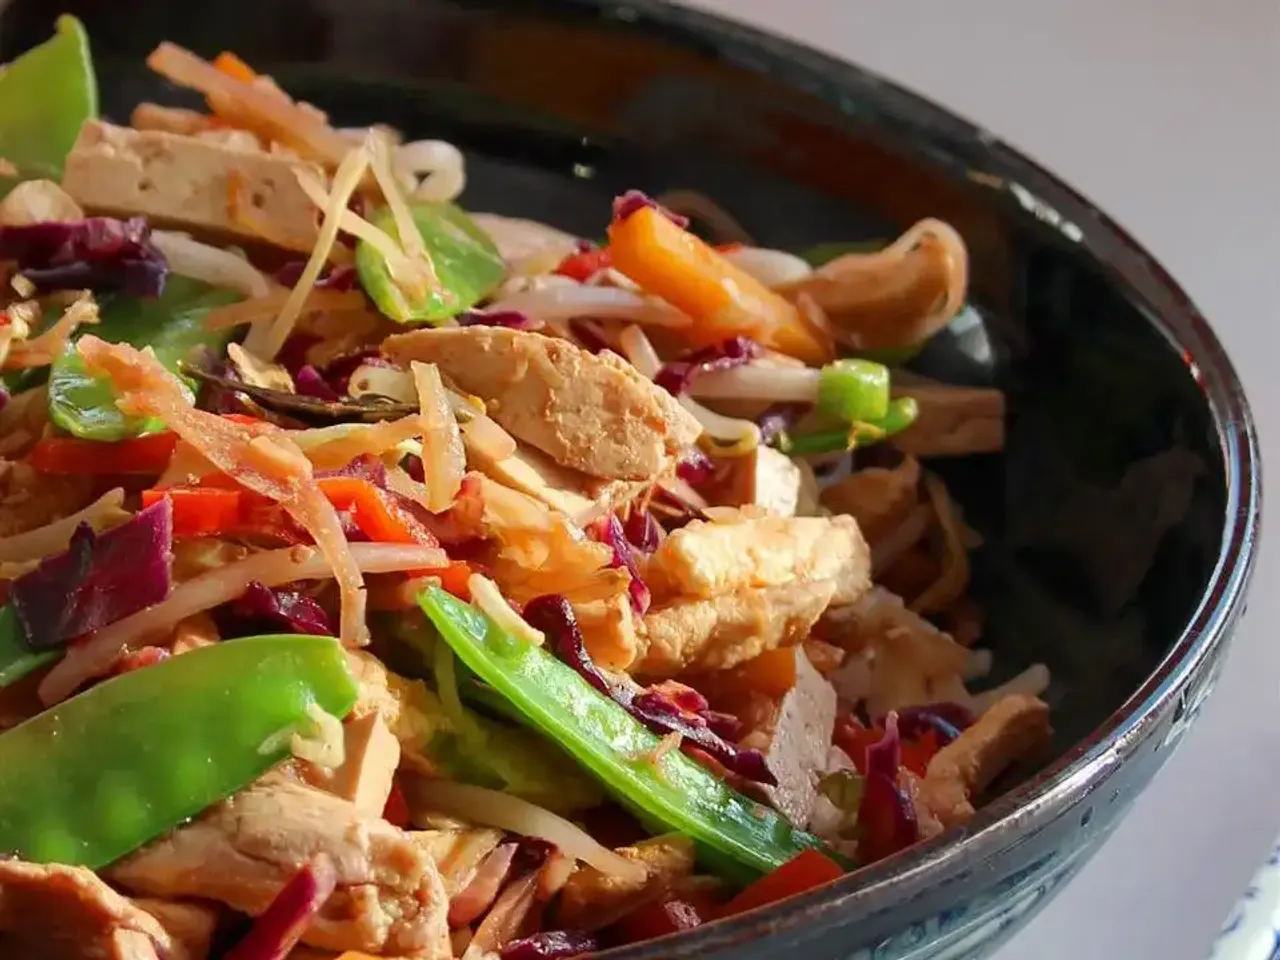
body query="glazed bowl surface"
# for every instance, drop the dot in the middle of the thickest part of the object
(1119, 524)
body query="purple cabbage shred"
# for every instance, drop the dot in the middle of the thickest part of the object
(885, 812)
(262, 609)
(694, 467)
(608, 530)
(642, 531)
(511, 319)
(634, 200)
(96, 253)
(550, 945)
(947, 720)
(278, 929)
(657, 708)
(99, 579)
(778, 419)
(678, 376)
(309, 382)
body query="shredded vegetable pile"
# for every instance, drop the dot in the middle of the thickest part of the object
(384, 579)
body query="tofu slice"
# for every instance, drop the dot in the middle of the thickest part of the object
(589, 412)
(705, 559)
(730, 629)
(372, 754)
(190, 183)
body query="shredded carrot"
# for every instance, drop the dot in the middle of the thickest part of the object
(670, 262)
(234, 67)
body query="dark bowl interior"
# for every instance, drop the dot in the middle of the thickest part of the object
(1104, 518)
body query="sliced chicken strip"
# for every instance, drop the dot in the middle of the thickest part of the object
(590, 412)
(965, 767)
(730, 629)
(390, 898)
(575, 494)
(56, 912)
(591, 899)
(705, 559)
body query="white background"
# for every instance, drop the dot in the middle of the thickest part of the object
(1167, 114)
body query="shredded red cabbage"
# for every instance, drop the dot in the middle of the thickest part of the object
(550, 945)
(511, 319)
(293, 354)
(944, 719)
(340, 278)
(337, 373)
(678, 376)
(608, 530)
(98, 580)
(4, 397)
(309, 382)
(694, 467)
(886, 817)
(655, 707)
(642, 531)
(364, 467)
(778, 419)
(262, 609)
(590, 334)
(633, 200)
(96, 253)
(280, 927)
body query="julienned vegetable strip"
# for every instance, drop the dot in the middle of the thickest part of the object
(724, 301)
(672, 790)
(112, 768)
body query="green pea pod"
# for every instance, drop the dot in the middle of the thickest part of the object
(853, 390)
(16, 658)
(674, 791)
(103, 773)
(466, 262)
(171, 324)
(45, 96)
(900, 414)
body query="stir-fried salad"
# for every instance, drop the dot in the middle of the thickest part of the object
(388, 580)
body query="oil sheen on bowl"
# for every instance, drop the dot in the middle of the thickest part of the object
(1120, 524)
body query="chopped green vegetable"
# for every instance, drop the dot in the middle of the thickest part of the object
(901, 414)
(670, 789)
(466, 263)
(45, 97)
(103, 773)
(16, 658)
(854, 390)
(171, 324)
(475, 749)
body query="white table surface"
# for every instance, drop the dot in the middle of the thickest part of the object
(1167, 114)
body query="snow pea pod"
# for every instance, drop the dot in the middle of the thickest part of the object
(101, 774)
(171, 324)
(45, 96)
(746, 837)
(465, 259)
(17, 659)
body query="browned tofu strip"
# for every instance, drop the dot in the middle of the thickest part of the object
(371, 755)
(963, 768)
(732, 628)
(190, 183)
(591, 899)
(953, 421)
(590, 412)
(704, 559)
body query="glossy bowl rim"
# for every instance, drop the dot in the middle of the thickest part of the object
(1170, 311)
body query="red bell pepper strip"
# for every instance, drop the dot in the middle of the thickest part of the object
(376, 513)
(853, 738)
(802, 872)
(396, 811)
(147, 455)
(200, 512)
(659, 918)
(585, 264)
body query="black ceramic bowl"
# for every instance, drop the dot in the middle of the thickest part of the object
(1120, 522)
